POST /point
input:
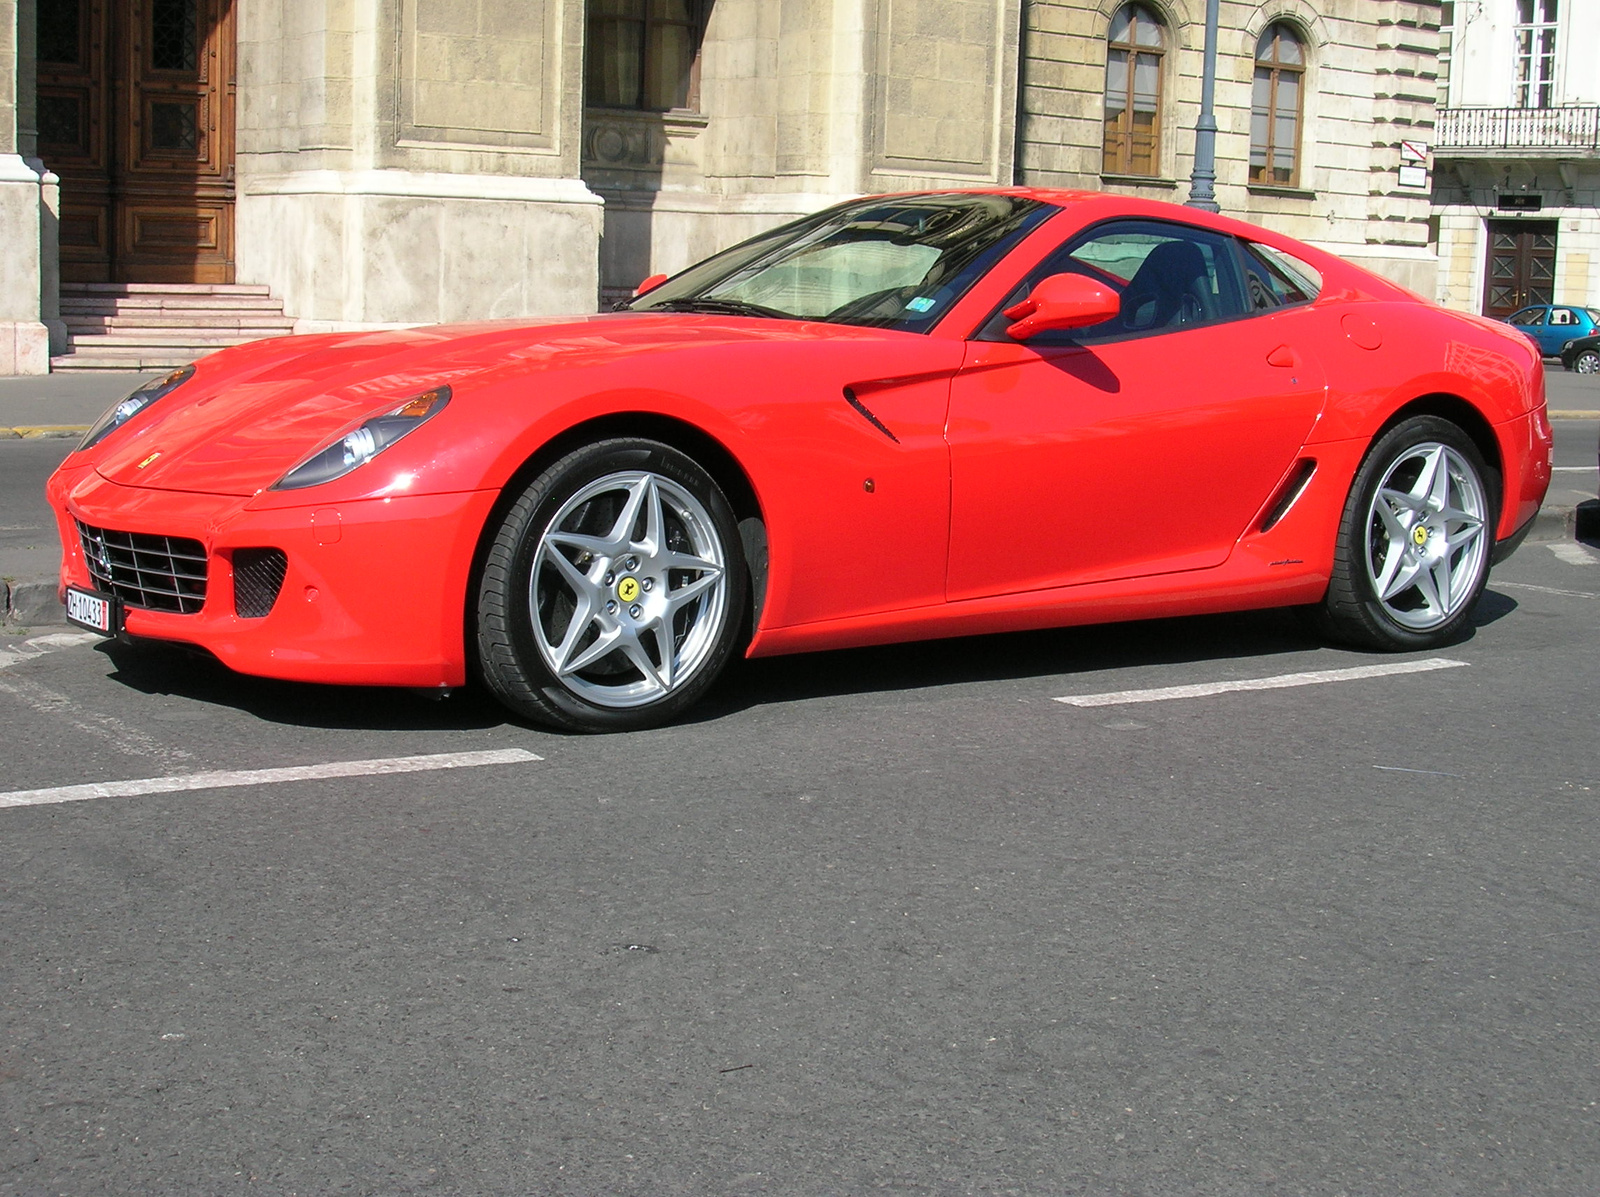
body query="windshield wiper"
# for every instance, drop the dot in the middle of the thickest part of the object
(719, 307)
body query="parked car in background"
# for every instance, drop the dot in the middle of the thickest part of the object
(1582, 354)
(1552, 325)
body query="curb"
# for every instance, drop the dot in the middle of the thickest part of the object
(32, 602)
(33, 432)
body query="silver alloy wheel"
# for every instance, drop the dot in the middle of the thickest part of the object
(1426, 547)
(628, 591)
(1588, 362)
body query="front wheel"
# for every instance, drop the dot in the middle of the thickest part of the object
(614, 590)
(1415, 540)
(1587, 362)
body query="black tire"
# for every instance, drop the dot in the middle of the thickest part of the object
(1413, 616)
(546, 603)
(1587, 362)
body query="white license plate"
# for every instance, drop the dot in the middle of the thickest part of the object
(97, 612)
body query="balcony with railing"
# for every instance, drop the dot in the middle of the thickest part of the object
(1572, 131)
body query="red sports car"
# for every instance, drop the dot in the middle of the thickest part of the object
(903, 417)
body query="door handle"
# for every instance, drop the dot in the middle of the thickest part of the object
(1283, 356)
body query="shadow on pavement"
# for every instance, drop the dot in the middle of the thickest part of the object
(154, 668)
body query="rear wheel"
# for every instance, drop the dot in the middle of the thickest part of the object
(1587, 362)
(1415, 540)
(613, 592)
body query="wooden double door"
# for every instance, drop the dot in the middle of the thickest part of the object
(135, 114)
(1521, 269)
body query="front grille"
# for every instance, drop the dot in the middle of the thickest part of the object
(157, 573)
(257, 578)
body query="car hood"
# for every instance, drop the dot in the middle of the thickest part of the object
(251, 414)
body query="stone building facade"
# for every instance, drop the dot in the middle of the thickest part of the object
(1517, 160)
(378, 162)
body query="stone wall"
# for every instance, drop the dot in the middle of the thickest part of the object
(410, 161)
(1370, 71)
(24, 339)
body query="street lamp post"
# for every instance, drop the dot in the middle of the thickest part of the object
(1202, 182)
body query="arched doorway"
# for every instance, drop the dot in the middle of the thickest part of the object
(135, 114)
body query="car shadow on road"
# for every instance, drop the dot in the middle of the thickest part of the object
(153, 668)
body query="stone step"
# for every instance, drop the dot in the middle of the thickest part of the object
(183, 338)
(185, 303)
(160, 288)
(123, 359)
(80, 325)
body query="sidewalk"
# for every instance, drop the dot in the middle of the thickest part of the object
(64, 405)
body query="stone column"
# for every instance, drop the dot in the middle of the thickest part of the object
(24, 340)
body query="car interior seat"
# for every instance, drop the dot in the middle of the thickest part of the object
(1171, 287)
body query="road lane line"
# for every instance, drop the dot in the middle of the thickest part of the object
(228, 779)
(36, 647)
(1545, 589)
(124, 737)
(1282, 681)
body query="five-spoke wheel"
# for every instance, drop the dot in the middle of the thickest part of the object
(614, 590)
(1415, 542)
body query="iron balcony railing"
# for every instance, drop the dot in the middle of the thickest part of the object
(1574, 128)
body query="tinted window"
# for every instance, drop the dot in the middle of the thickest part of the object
(886, 263)
(1169, 276)
(1288, 279)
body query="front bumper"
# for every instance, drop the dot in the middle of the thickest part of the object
(373, 592)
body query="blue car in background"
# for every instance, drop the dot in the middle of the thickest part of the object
(1552, 325)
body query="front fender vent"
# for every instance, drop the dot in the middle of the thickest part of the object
(257, 578)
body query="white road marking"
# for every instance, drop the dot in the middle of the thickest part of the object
(37, 646)
(1281, 682)
(122, 736)
(1575, 469)
(1572, 554)
(228, 779)
(1545, 589)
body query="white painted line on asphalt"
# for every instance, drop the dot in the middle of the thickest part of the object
(1572, 554)
(1282, 681)
(37, 646)
(120, 735)
(1545, 589)
(228, 779)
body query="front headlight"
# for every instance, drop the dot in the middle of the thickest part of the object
(134, 404)
(1568, 345)
(361, 444)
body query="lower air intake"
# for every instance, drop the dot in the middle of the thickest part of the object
(257, 578)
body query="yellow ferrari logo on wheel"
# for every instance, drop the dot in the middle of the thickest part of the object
(1419, 535)
(628, 589)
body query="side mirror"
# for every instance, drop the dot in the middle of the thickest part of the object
(649, 284)
(1062, 301)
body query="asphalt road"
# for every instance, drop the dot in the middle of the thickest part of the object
(887, 920)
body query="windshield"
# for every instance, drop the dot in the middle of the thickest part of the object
(884, 263)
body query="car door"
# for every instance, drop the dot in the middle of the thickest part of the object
(1142, 445)
(1532, 321)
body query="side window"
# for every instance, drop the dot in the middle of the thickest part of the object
(1563, 316)
(1527, 317)
(1169, 276)
(1270, 282)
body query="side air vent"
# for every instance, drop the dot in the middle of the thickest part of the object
(257, 578)
(1291, 490)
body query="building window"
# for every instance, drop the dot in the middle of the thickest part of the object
(642, 54)
(1536, 53)
(1275, 108)
(1447, 37)
(1136, 46)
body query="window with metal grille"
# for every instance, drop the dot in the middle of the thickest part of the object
(1135, 52)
